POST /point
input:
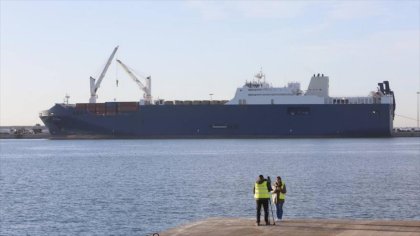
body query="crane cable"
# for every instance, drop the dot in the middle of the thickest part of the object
(116, 78)
(116, 72)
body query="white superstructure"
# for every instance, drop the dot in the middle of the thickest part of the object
(260, 92)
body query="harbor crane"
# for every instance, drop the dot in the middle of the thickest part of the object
(95, 86)
(146, 89)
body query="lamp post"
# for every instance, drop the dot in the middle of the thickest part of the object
(211, 97)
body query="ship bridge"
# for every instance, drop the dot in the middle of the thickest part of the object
(259, 92)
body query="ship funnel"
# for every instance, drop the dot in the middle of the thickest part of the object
(318, 86)
(387, 89)
(381, 87)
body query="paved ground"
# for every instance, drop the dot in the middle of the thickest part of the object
(243, 227)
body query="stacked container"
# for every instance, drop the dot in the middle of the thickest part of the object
(100, 108)
(128, 106)
(111, 108)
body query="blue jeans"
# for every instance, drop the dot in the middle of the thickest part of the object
(279, 207)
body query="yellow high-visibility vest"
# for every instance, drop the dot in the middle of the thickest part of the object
(282, 196)
(261, 190)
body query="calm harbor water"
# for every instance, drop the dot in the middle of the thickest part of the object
(136, 187)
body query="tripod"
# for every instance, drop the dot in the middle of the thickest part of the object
(271, 206)
(272, 214)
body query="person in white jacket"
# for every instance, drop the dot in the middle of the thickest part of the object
(279, 192)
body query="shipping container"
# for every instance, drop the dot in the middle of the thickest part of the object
(123, 109)
(81, 106)
(111, 108)
(110, 113)
(128, 106)
(91, 107)
(111, 104)
(100, 107)
(127, 109)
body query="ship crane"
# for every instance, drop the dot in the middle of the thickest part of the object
(146, 89)
(95, 86)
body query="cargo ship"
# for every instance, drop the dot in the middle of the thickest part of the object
(257, 110)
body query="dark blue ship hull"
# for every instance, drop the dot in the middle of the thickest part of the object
(224, 121)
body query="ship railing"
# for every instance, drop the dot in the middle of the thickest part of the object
(352, 100)
(192, 102)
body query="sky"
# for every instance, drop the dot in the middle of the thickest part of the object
(195, 48)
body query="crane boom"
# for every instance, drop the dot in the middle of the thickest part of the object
(95, 86)
(132, 76)
(146, 89)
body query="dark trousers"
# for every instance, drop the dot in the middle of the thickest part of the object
(264, 203)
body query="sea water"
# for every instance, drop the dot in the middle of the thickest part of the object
(137, 187)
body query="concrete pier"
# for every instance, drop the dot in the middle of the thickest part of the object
(298, 227)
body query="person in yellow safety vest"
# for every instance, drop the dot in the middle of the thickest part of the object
(262, 191)
(279, 193)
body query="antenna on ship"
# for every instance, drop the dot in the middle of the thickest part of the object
(260, 75)
(66, 99)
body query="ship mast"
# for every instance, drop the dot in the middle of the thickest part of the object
(260, 75)
(66, 99)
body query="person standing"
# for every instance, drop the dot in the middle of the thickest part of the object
(279, 196)
(262, 195)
